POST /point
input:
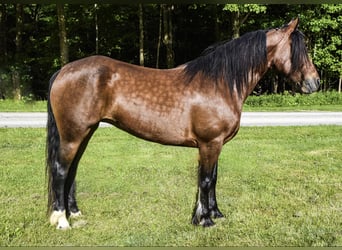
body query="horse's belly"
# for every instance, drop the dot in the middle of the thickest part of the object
(170, 128)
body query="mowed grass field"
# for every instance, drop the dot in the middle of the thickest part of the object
(277, 186)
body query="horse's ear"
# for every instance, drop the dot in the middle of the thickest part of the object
(292, 26)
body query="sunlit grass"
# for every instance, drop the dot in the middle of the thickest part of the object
(277, 186)
(9, 105)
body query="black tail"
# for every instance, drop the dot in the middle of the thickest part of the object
(52, 146)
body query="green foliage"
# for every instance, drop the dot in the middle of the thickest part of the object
(324, 22)
(300, 101)
(195, 27)
(328, 101)
(245, 8)
(6, 76)
(136, 193)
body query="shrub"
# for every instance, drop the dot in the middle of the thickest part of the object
(289, 100)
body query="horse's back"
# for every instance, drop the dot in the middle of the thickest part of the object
(146, 102)
(156, 105)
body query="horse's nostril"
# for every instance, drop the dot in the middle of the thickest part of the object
(318, 82)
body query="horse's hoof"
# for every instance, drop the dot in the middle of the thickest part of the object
(207, 222)
(195, 220)
(63, 225)
(76, 214)
(55, 215)
(216, 214)
(59, 218)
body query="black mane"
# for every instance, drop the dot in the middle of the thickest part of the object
(231, 61)
(299, 51)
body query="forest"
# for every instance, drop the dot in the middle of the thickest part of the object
(38, 39)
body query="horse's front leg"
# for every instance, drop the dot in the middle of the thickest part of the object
(207, 175)
(201, 214)
(214, 210)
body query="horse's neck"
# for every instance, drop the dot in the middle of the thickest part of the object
(252, 83)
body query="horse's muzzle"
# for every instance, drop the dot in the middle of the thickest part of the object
(309, 86)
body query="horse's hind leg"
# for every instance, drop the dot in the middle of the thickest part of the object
(63, 177)
(59, 174)
(72, 203)
(73, 209)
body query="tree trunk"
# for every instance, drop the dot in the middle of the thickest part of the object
(275, 82)
(235, 24)
(63, 43)
(3, 36)
(324, 87)
(168, 39)
(96, 31)
(339, 84)
(141, 35)
(237, 21)
(3, 43)
(160, 34)
(216, 23)
(16, 77)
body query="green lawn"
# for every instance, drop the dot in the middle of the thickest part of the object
(22, 106)
(277, 186)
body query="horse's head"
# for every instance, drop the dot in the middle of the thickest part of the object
(286, 51)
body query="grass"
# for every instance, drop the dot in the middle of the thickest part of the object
(9, 105)
(277, 186)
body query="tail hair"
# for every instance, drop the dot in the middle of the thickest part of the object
(52, 146)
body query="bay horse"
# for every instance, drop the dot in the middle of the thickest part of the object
(197, 104)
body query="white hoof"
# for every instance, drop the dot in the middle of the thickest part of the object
(63, 224)
(75, 215)
(59, 218)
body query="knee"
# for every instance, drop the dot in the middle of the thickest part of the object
(205, 183)
(59, 170)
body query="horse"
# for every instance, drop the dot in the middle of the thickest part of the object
(197, 104)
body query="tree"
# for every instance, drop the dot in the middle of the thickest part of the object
(16, 76)
(159, 34)
(240, 13)
(168, 34)
(322, 24)
(35, 42)
(96, 29)
(3, 31)
(63, 43)
(141, 35)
